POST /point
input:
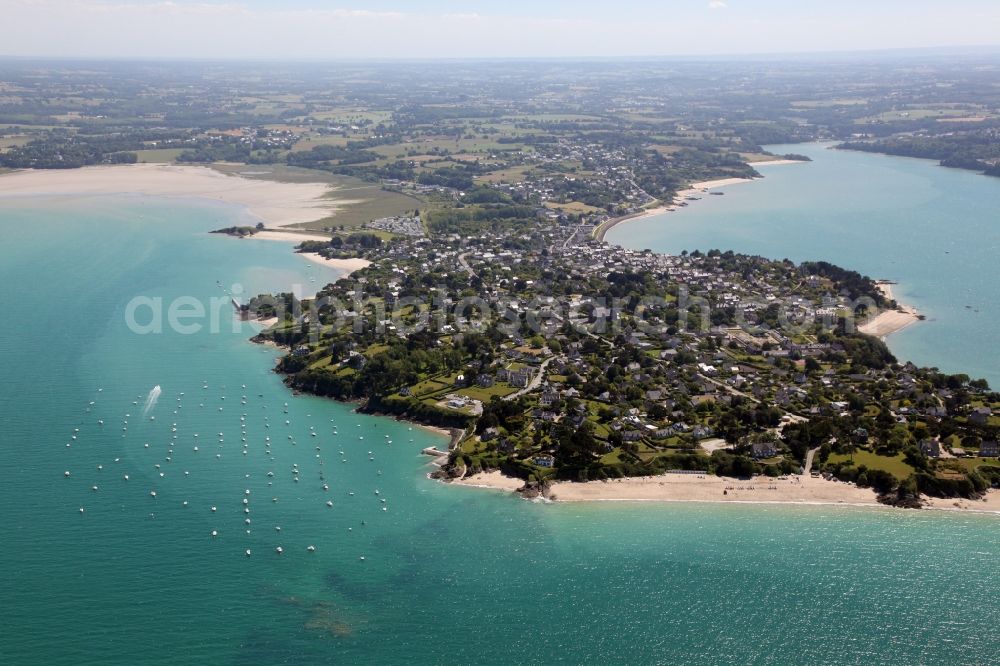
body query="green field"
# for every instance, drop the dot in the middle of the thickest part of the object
(750, 158)
(918, 114)
(554, 118)
(439, 145)
(511, 175)
(352, 116)
(895, 465)
(428, 387)
(12, 141)
(368, 202)
(313, 140)
(486, 394)
(970, 464)
(821, 103)
(572, 207)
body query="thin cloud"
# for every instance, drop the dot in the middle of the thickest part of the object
(453, 29)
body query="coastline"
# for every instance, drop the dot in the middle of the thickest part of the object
(295, 237)
(274, 203)
(689, 488)
(348, 264)
(776, 162)
(666, 488)
(694, 189)
(881, 326)
(887, 322)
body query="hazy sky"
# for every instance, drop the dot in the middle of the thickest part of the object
(317, 29)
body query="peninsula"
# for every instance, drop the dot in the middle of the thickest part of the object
(562, 358)
(481, 296)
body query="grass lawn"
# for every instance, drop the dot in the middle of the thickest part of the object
(972, 463)
(572, 207)
(612, 458)
(486, 394)
(472, 446)
(894, 465)
(323, 362)
(427, 387)
(601, 431)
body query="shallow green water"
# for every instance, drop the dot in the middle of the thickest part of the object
(450, 575)
(934, 230)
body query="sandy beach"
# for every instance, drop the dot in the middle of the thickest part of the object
(348, 265)
(274, 203)
(889, 321)
(692, 488)
(804, 490)
(292, 236)
(694, 190)
(777, 162)
(989, 504)
(492, 480)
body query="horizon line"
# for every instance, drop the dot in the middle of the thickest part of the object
(916, 51)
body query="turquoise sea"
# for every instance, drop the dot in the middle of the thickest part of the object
(449, 575)
(934, 230)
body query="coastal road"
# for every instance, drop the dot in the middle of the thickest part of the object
(572, 236)
(465, 265)
(535, 382)
(807, 468)
(729, 388)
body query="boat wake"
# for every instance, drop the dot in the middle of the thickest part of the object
(151, 399)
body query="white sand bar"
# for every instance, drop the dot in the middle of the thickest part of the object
(276, 204)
